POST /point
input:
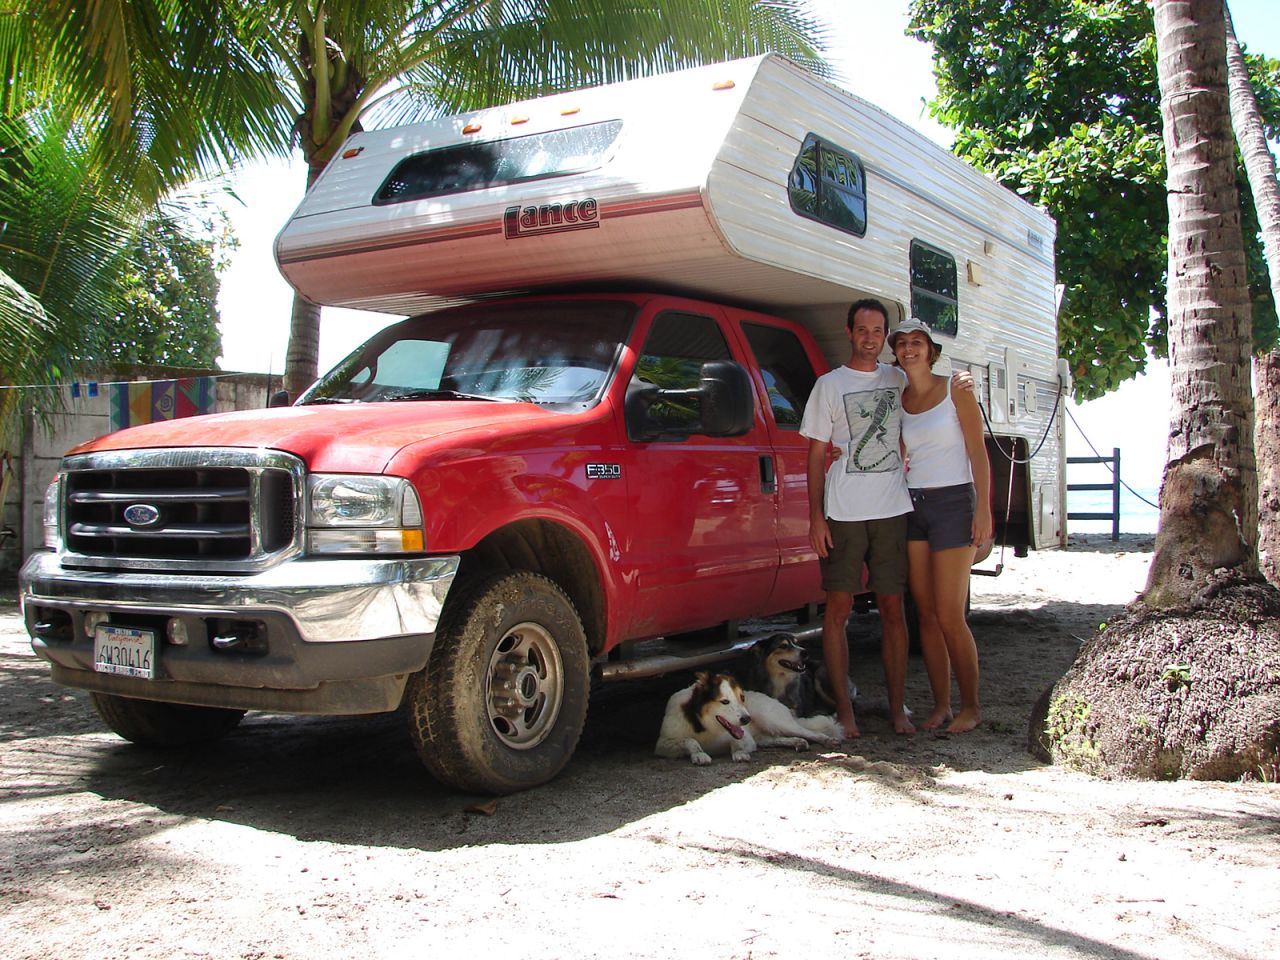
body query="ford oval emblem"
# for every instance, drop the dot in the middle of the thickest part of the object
(141, 515)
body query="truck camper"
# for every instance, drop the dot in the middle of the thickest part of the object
(578, 459)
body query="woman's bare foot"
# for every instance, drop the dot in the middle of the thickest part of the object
(965, 720)
(936, 719)
(902, 723)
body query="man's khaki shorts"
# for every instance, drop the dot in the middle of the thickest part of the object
(880, 544)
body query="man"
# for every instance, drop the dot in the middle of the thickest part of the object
(858, 508)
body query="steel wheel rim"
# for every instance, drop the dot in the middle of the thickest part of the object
(526, 686)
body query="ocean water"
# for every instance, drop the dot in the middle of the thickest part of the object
(1135, 515)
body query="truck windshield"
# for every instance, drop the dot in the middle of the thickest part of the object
(557, 355)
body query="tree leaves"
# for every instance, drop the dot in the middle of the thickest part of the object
(1058, 100)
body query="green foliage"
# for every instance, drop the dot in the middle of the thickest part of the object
(1059, 100)
(167, 292)
(64, 228)
(1176, 676)
(85, 275)
(176, 88)
(1071, 734)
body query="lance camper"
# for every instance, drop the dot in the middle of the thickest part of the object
(751, 183)
(578, 459)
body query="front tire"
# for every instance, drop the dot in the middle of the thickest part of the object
(150, 723)
(503, 698)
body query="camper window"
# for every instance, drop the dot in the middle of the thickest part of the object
(829, 184)
(933, 288)
(476, 166)
(788, 373)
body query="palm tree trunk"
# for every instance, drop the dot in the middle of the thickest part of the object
(1246, 120)
(1208, 500)
(302, 361)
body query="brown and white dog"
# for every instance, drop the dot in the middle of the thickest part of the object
(716, 716)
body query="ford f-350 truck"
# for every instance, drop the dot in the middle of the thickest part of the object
(580, 457)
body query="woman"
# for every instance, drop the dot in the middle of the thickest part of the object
(949, 478)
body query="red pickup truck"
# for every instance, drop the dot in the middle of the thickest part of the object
(468, 515)
(530, 483)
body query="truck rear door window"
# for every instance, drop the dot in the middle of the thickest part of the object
(829, 184)
(476, 166)
(934, 288)
(786, 368)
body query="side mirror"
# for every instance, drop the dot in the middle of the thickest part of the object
(725, 401)
(279, 399)
(728, 407)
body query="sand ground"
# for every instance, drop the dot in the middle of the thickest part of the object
(310, 838)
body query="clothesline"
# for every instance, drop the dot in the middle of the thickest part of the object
(107, 383)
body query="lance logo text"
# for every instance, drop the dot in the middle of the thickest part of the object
(551, 218)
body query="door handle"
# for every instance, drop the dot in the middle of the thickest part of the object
(768, 483)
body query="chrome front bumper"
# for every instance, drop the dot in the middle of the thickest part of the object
(328, 600)
(318, 625)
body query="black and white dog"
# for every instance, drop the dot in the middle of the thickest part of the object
(780, 667)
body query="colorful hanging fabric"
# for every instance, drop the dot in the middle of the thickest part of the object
(150, 400)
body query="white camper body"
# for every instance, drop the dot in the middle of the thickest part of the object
(696, 183)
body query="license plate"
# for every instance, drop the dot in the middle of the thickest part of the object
(124, 651)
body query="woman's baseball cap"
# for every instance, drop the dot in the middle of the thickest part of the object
(912, 325)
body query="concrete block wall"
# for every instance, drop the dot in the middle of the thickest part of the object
(47, 438)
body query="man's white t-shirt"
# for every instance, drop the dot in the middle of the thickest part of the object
(861, 415)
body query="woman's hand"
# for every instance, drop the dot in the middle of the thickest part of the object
(983, 527)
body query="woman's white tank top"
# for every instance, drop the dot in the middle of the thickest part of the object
(936, 454)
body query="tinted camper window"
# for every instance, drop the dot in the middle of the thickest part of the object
(828, 184)
(475, 166)
(933, 288)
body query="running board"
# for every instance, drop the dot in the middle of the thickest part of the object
(669, 656)
(975, 572)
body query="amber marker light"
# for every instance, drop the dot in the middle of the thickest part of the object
(519, 120)
(471, 128)
(570, 111)
(353, 152)
(723, 85)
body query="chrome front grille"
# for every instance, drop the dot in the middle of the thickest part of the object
(211, 509)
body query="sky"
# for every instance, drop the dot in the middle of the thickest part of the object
(874, 59)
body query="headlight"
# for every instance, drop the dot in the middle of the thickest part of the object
(51, 497)
(363, 514)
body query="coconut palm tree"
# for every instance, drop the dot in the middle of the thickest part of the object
(1208, 500)
(1260, 165)
(306, 72)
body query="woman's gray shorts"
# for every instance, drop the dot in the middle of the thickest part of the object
(943, 516)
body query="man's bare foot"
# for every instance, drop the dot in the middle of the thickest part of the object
(902, 723)
(936, 719)
(849, 727)
(965, 721)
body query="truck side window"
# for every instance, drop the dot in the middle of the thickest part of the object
(674, 352)
(787, 370)
(829, 184)
(933, 288)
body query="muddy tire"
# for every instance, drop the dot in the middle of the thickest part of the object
(150, 723)
(503, 698)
